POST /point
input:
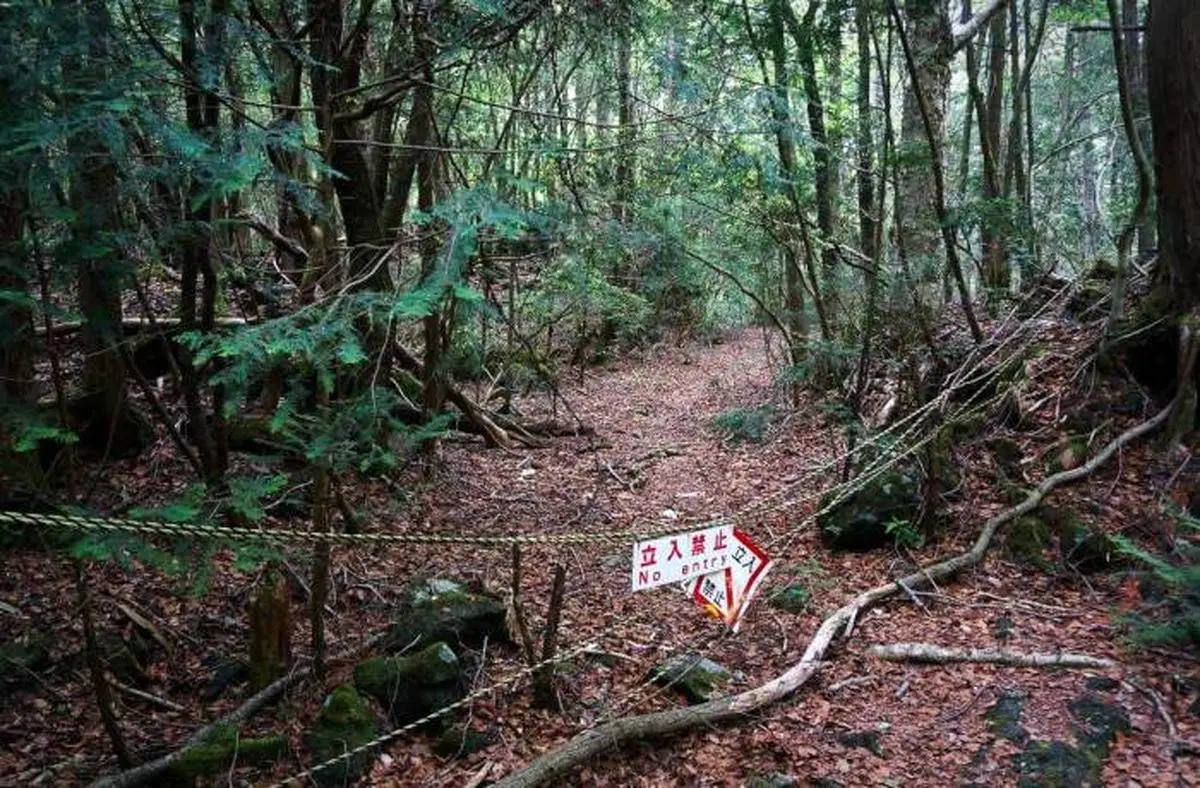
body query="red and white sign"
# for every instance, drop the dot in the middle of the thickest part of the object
(727, 592)
(682, 557)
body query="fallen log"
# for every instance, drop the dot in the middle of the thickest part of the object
(939, 655)
(557, 763)
(496, 430)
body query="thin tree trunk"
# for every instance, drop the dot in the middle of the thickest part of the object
(1135, 61)
(1145, 175)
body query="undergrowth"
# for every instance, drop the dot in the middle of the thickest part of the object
(1170, 584)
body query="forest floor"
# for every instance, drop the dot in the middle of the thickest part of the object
(655, 458)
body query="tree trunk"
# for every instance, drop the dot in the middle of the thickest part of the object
(1135, 61)
(929, 36)
(1173, 49)
(1091, 219)
(625, 131)
(865, 143)
(825, 164)
(108, 423)
(995, 265)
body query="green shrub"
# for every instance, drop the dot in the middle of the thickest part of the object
(745, 424)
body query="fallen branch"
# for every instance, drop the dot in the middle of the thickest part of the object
(146, 696)
(586, 745)
(938, 655)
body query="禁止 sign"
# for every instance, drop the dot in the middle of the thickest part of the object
(727, 592)
(682, 557)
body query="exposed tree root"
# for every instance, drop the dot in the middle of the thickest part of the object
(590, 743)
(939, 655)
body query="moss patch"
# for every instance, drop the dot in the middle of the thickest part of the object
(410, 687)
(222, 749)
(695, 677)
(344, 724)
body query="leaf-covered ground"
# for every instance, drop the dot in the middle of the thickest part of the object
(655, 458)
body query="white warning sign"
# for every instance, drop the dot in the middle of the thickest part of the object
(682, 557)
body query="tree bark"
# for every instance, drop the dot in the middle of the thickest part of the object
(939, 655)
(1173, 52)
(929, 33)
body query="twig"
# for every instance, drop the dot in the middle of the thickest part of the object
(1159, 706)
(543, 680)
(146, 696)
(955, 715)
(853, 681)
(939, 655)
(916, 599)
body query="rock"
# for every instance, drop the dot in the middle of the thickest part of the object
(1028, 538)
(772, 780)
(1053, 763)
(1100, 723)
(860, 523)
(226, 673)
(22, 658)
(1004, 718)
(442, 610)
(696, 677)
(221, 750)
(459, 741)
(345, 723)
(410, 687)
(867, 740)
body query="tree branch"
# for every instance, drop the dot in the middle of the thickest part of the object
(939, 655)
(962, 32)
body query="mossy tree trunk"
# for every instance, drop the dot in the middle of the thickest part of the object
(1173, 71)
(270, 630)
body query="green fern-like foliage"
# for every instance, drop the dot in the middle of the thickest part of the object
(1171, 585)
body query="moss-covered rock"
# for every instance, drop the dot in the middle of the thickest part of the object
(1007, 454)
(1058, 764)
(1029, 537)
(1004, 718)
(459, 741)
(344, 724)
(221, 750)
(442, 610)
(692, 675)
(1053, 764)
(860, 522)
(1069, 453)
(411, 686)
(1099, 723)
